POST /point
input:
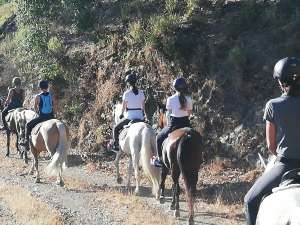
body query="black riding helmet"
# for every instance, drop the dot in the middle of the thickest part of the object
(44, 84)
(17, 81)
(131, 77)
(287, 69)
(180, 84)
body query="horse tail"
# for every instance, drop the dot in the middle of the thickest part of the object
(59, 159)
(189, 158)
(148, 149)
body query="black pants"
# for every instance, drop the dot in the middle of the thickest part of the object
(176, 123)
(117, 129)
(31, 124)
(262, 187)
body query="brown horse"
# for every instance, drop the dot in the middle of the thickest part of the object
(182, 154)
(52, 136)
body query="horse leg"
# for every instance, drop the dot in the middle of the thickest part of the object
(136, 174)
(17, 145)
(164, 173)
(175, 201)
(7, 143)
(116, 162)
(129, 173)
(192, 179)
(59, 180)
(30, 172)
(35, 159)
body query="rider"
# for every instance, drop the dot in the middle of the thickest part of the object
(180, 107)
(133, 104)
(282, 117)
(14, 100)
(44, 106)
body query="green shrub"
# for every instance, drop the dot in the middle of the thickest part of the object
(136, 32)
(160, 25)
(192, 5)
(171, 6)
(55, 46)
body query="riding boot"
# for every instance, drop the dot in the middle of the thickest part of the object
(156, 161)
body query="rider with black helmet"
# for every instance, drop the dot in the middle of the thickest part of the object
(133, 104)
(282, 117)
(179, 106)
(14, 99)
(44, 105)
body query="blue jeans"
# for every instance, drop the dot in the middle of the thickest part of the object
(263, 186)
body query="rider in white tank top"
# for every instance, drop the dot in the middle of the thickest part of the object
(134, 105)
(173, 104)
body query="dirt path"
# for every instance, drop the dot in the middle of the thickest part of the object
(90, 196)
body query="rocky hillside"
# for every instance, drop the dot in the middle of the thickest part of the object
(225, 49)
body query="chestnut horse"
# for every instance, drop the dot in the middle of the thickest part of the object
(182, 154)
(52, 136)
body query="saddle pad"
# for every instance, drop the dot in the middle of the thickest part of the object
(36, 129)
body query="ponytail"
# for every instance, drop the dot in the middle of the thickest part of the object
(182, 100)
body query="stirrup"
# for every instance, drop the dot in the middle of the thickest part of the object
(156, 162)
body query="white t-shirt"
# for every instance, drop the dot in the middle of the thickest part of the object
(134, 102)
(173, 104)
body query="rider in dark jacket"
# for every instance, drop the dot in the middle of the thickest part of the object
(44, 105)
(14, 99)
(282, 117)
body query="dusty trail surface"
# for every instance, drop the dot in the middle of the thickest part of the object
(90, 196)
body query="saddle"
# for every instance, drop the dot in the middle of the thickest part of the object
(290, 177)
(124, 130)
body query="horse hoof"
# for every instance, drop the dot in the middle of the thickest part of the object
(172, 207)
(162, 199)
(60, 183)
(191, 222)
(119, 180)
(38, 180)
(26, 160)
(137, 192)
(7, 155)
(177, 213)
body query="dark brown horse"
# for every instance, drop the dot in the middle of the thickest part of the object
(182, 154)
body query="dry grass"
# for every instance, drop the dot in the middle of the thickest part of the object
(6, 11)
(27, 209)
(133, 210)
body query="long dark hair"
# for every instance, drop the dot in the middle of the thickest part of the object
(135, 90)
(182, 99)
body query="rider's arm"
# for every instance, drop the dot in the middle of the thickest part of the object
(271, 137)
(9, 96)
(124, 106)
(37, 104)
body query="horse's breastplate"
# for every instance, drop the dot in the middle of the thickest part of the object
(36, 129)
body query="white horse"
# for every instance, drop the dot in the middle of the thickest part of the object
(139, 144)
(282, 207)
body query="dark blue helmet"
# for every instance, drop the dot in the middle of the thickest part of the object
(44, 84)
(131, 77)
(287, 69)
(180, 84)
